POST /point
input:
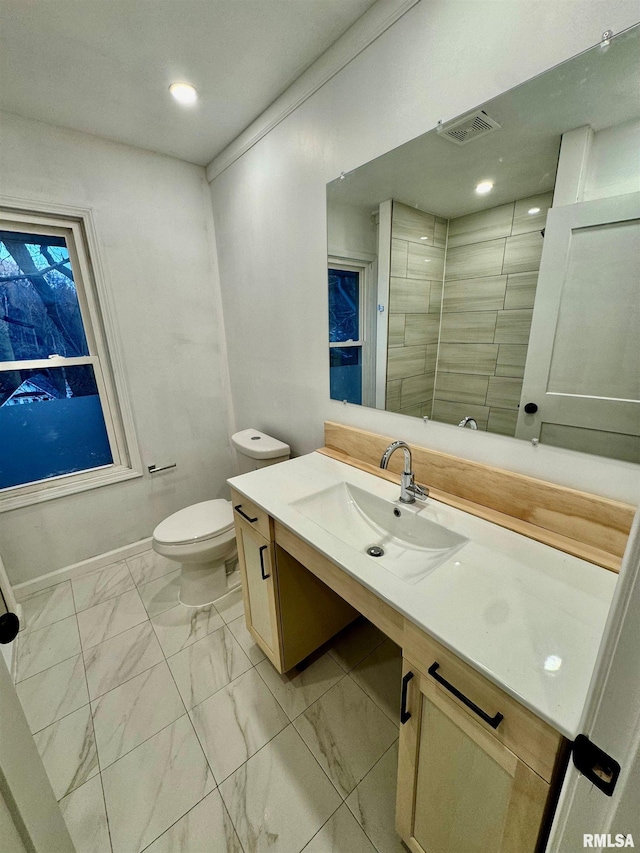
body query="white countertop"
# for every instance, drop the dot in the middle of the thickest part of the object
(528, 617)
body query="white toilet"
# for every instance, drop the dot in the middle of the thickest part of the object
(201, 537)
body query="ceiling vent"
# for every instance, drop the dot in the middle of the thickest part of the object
(463, 130)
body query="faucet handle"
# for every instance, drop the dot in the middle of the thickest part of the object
(421, 492)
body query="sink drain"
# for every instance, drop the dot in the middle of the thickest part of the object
(375, 551)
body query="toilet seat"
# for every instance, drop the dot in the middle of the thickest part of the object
(196, 523)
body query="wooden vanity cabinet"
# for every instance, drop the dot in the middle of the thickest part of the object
(289, 612)
(463, 784)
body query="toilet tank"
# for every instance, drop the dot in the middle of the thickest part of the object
(257, 450)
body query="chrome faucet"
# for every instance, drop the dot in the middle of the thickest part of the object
(408, 488)
(472, 423)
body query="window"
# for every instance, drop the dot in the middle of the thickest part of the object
(350, 334)
(61, 425)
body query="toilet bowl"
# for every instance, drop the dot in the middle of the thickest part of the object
(201, 537)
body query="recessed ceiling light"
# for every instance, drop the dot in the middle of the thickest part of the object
(484, 187)
(553, 663)
(184, 93)
(533, 210)
(424, 238)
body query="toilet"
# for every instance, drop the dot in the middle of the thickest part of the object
(201, 537)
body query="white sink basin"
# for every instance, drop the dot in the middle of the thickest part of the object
(411, 544)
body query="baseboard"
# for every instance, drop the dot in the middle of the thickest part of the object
(22, 590)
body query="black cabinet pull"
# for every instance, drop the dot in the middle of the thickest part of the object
(494, 722)
(263, 548)
(244, 514)
(404, 714)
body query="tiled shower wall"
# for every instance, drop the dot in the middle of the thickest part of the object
(418, 242)
(490, 262)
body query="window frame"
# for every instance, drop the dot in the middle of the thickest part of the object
(77, 227)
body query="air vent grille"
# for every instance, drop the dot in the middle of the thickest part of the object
(463, 130)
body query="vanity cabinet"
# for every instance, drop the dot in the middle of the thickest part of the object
(289, 612)
(463, 778)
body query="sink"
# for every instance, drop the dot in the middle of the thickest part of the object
(395, 536)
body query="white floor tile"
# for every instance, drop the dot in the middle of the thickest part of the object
(38, 650)
(181, 626)
(112, 617)
(47, 606)
(340, 834)
(115, 661)
(236, 722)
(296, 690)
(153, 786)
(148, 566)
(94, 588)
(84, 813)
(249, 646)
(161, 594)
(207, 828)
(347, 733)
(68, 751)
(125, 717)
(231, 605)
(380, 676)
(280, 798)
(204, 667)
(355, 642)
(53, 693)
(374, 804)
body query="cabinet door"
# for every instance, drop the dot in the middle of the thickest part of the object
(459, 787)
(259, 582)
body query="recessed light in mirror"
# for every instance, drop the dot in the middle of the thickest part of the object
(533, 210)
(424, 238)
(184, 93)
(553, 663)
(484, 187)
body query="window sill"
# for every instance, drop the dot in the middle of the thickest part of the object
(62, 486)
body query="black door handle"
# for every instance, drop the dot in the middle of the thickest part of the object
(404, 714)
(531, 408)
(494, 722)
(244, 514)
(263, 548)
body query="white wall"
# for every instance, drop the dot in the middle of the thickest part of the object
(154, 225)
(614, 162)
(352, 231)
(440, 60)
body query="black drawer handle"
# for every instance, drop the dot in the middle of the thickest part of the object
(494, 722)
(244, 514)
(263, 548)
(404, 714)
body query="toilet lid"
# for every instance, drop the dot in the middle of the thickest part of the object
(195, 523)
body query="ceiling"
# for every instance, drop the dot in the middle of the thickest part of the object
(597, 88)
(104, 66)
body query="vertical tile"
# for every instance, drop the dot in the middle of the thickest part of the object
(511, 360)
(102, 621)
(395, 334)
(280, 798)
(94, 588)
(435, 297)
(47, 606)
(421, 329)
(154, 785)
(425, 262)
(503, 421)
(409, 296)
(468, 358)
(411, 224)
(84, 813)
(53, 693)
(453, 413)
(347, 733)
(513, 327)
(476, 260)
(523, 221)
(45, 647)
(475, 294)
(405, 361)
(416, 390)
(523, 253)
(468, 327)
(481, 226)
(521, 290)
(392, 402)
(399, 252)
(504, 392)
(68, 751)
(462, 387)
(440, 232)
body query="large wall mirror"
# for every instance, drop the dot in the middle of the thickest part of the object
(487, 274)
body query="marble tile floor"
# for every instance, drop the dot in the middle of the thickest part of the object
(165, 729)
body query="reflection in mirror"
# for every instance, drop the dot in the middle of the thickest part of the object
(488, 272)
